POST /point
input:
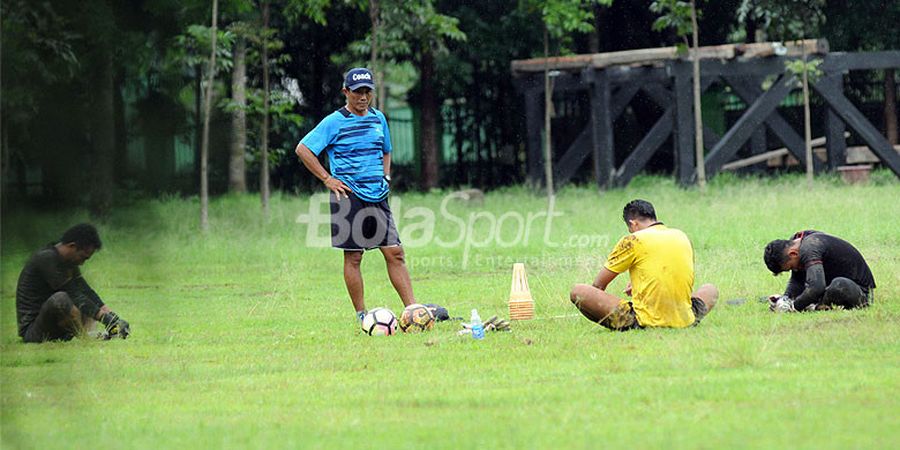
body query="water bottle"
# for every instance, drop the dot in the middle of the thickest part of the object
(477, 326)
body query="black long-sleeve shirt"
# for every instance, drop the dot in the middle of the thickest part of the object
(823, 258)
(44, 274)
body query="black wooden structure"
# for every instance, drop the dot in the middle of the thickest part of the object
(669, 84)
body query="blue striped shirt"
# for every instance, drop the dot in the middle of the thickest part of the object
(356, 146)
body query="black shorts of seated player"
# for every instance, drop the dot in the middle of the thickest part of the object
(825, 270)
(358, 225)
(58, 320)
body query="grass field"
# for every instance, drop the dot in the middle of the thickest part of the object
(245, 337)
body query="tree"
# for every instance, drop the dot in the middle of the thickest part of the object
(793, 20)
(682, 17)
(429, 31)
(374, 63)
(207, 106)
(561, 18)
(39, 50)
(415, 31)
(237, 177)
(264, 132)
(870, 27)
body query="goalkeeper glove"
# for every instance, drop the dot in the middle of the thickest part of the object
(783, 304)
(115, 325)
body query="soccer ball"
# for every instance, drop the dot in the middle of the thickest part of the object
(379, 322)
(416, 318)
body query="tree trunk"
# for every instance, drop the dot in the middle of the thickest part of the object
(890, 106)
(374, 64)
(807, 133)
(207, 106)
(698, 112)
(264, 132)
(104, 140)
(460, 140)
(237, 177)
(429, 124)
(548, 106)
(198, 117)
(120, 169)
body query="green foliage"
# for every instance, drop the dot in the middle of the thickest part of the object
(862, 25)
(564, 17)
(406, 28)
(282, 107)
(811, 67)
(192, 47)
(38, 49)
(299, 10)
(674, 14)
(246, 338)
(785, 19)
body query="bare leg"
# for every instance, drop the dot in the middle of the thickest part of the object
(399, 275)
(595, 304)
(709, 294)
(353, 279)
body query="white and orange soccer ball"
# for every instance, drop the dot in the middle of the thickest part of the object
(379, 322)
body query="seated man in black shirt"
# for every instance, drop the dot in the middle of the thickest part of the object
(53, 302)
(825, 270)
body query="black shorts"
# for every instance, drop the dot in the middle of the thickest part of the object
(54, 322)
(358, 225)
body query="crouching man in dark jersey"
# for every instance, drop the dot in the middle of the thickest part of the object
(826, 271)
(53, 302)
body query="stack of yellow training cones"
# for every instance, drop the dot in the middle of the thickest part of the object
(521, 304)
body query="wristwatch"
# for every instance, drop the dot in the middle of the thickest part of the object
(387, 178)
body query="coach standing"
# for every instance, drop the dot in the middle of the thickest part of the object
(358, 144)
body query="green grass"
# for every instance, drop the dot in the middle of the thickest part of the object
(245, 337)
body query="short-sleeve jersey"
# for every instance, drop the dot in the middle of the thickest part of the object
(660, 261)
(356, 146)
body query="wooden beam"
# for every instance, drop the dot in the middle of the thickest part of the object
(621, 98)
(533, 125)
(791, 48)
(862, 154)
(602, 130)
(749, 91)
(765, 156)
(856, 120)
(684, 124)
(665, 98)
(834, 126)
(641, 154)
(574, 157)
(656, 55)
(553, 63)
(581, 147)
(842, 62)
(744, 127)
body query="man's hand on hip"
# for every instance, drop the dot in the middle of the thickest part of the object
(338, 187)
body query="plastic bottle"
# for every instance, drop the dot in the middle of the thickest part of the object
(477, 326)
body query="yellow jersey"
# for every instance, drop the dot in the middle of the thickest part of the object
(660, 261)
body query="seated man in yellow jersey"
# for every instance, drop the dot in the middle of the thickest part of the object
(660, 261)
